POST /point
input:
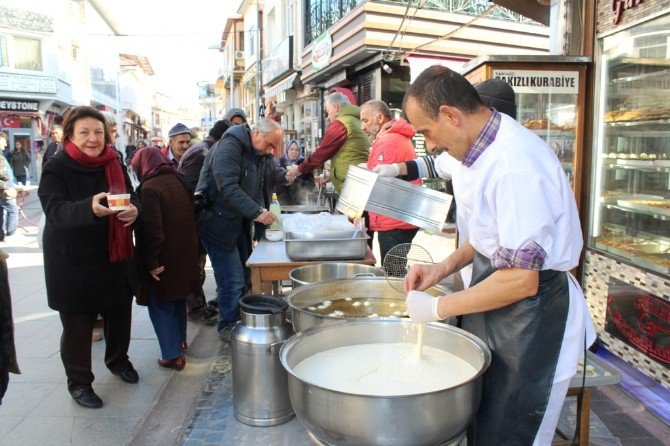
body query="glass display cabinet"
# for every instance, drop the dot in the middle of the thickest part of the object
(550, 100)
(631, 210)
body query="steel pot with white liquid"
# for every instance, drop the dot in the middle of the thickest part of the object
(339, 418)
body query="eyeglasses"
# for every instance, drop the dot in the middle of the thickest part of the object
(270, 147)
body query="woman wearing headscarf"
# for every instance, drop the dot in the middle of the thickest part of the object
(169, 250)
(88, 250)
(296, 192)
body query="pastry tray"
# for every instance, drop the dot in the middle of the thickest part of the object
(648, 261)
(636, 205)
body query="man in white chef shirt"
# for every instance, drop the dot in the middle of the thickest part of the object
(523, 235)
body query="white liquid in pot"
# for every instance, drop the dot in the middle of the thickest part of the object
(384, 369)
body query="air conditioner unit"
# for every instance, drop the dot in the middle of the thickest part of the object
(239, 55)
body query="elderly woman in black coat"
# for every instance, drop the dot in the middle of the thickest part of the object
(88, 250)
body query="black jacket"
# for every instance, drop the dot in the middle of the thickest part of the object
(239, 183)
(191, 162)
(79, 276)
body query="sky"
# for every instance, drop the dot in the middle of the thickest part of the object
(175, 35)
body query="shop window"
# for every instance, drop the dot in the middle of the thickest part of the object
(4, 62)
(23, 53)
(27, 53)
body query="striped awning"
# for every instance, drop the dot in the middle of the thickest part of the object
(283, 85)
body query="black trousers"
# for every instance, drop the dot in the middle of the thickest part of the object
(196, 303)
(394, 237)
(75, 343)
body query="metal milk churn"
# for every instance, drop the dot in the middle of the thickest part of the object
(260, 382)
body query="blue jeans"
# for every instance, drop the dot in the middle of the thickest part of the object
(9, 222)
(231, 275)
(169, 321)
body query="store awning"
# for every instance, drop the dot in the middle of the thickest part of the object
(282, 85)
(537, 10)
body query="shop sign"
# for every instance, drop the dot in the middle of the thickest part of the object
(27, 84)
(540, 82)
(639, 319)
(19, 105)
(279, 61)
(619, 6)
(322, 50)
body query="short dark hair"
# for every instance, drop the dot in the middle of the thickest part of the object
(83, 111)
(219, 128)
(438, 86)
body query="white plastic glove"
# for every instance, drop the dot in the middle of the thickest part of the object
(387, 170)
(422, 307)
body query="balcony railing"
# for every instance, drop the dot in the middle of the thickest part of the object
(322, 14)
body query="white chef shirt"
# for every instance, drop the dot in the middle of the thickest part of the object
(517, 193)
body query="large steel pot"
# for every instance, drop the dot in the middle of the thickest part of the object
(301, 299)
(308, 274)
(343, 419)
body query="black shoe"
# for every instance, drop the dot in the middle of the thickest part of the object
(226, 332)
(129, 374)
(86, 397)
(210, 316)
(213, 303)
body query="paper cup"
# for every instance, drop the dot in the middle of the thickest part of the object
(118, 202)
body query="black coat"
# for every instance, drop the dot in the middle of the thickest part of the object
(79, 276)
(239, 183)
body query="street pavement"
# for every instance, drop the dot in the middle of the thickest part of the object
(37, 408)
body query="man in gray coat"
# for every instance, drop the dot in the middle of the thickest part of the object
(236, 184)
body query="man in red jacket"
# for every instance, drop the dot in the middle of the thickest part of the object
(391, 143)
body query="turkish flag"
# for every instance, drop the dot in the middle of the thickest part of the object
(11, 122)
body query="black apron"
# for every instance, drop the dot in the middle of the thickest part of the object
(525, 340)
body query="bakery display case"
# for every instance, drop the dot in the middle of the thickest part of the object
(631, 196)
(550, 100)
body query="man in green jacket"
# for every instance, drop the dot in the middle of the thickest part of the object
(344, 142)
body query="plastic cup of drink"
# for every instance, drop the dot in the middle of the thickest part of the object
(118, 202)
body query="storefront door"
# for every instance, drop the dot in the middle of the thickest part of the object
(24, 138)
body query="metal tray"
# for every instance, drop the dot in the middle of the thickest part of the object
(304, 208)
(331, 245)
(404, 201)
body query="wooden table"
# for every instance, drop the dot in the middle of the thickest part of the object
(270, 265)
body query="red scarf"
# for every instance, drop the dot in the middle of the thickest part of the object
(120, 241)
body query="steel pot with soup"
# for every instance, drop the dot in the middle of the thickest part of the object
(339, 300)
(308, 274)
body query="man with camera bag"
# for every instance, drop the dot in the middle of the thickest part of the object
(232, 193)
